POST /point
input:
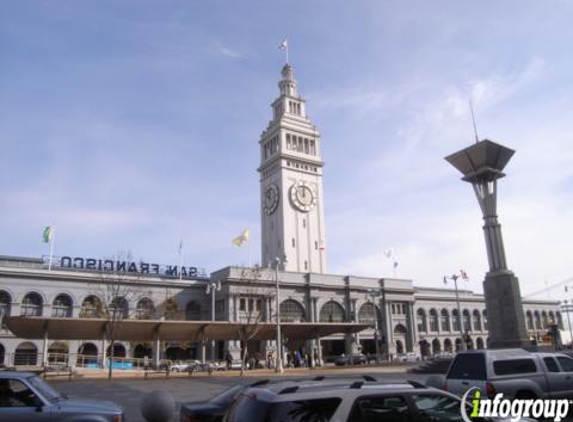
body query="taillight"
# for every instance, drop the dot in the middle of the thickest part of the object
(118, 418)
(489, 390)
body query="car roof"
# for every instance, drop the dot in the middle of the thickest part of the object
(498, 353)
(16, 374)
(289, 390)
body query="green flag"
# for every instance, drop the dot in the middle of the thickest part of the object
(48, 233)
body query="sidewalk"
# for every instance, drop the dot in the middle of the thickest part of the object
(257, 373)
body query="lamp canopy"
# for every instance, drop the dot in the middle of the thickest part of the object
(483, 161)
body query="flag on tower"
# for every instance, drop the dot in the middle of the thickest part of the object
(283, 45)
(464, 274)
(48, 234)
(242, 238)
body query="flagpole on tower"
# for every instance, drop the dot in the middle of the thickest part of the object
(284, 46)
(181, 260)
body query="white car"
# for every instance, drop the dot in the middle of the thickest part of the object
(408, 357)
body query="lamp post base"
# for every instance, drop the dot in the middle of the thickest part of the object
(506, 322)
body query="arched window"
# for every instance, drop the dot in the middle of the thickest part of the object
(529, 320)
(193, 311)
(477, 320)
(26, 354)
(119, 308)
(332, 311)
(559, 320)
(445, 320)
(91, 308)
(421, 319)
(292, 311)
(145, 309)
(552, 318)
(433, 320)
(5, 303)
(2, 353)
(62, 306)
(31, 305)
(368, 313)
(467, 321)
(484, 314)
(455, 321)
(58, 353)
(544, 319)
(537, 320)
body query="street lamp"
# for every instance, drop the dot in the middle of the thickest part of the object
(374, 294)
(212, 287)
(277, 262)
(454, 278)
(568, 310)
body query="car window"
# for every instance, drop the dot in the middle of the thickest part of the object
(468, 366)
(566, 363)
(438, 408)
(315, 410)
(514, 366)
(44, 389)
(380, 409)
(14, 393)
(551, 364)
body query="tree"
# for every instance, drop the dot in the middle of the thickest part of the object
(254, 294)
(115, 290)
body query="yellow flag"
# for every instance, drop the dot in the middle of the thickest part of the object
(242, 238)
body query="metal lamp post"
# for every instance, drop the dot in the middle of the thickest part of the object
(277, 262)
(454, 278)
(568, 309)
(212, 287)
(374, 294)
(482, 165)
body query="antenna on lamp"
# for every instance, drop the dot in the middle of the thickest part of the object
(474, 120)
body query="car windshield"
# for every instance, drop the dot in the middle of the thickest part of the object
(229, 395)
(44, 389)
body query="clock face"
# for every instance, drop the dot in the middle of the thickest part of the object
(302, 196)
(271, 199)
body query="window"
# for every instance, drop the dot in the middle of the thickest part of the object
(193, 311)
(5, 301)
(62, 307)
(332, 311)
(422, 328)
(468, 366)
(145, 309)
(367, 314)
(242, 306)
(445, 320)
(383, 409)
(31, 305)
(19, 395)
(251, 304)
(91, 308)
(514, 366)
(293, 242)
(566, 363)
(303, 410)
(437, 408)
(433, 320)
(551, 364)
(306, 265)
(292, 311)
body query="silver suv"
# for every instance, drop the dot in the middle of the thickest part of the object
(26, 397)
(359, 401)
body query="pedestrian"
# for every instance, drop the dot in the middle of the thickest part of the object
(229, 360)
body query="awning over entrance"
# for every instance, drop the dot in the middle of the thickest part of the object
(148, 330)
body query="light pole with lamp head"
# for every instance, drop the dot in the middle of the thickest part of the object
(276, 262)
(455, 278)
(568, 309)
(374, 294)
(212, 287)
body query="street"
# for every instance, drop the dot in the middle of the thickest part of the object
(128, 392)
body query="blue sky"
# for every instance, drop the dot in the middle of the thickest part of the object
(132, 124)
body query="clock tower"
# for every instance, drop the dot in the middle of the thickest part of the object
(292, 208)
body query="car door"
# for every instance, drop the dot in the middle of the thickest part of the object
(559, 382)
(22, 404)
(566, 365)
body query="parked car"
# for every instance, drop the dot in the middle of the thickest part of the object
(354, 401)
(516, 373)
(357, 359)
(183, 366)
(214, 409)
(408, 357)
(26, 397)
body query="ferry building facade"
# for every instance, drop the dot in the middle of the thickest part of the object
(398, 317)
